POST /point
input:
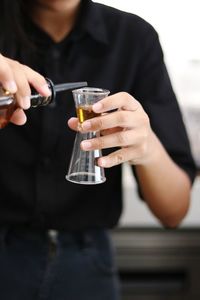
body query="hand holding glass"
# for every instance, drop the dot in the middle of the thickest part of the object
(83, 168)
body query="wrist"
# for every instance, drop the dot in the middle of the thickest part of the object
(154, 151)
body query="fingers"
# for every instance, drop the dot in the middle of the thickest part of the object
(121, 138)
(127, 127)
(73, 123)
(23, 89)
(120, 156)
(17, 78)
(121, 118)
(6, 76)
(37, 81)
(120, 100)
(18, 117)
(129, 113)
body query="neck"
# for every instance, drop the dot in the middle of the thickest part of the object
(56, 18)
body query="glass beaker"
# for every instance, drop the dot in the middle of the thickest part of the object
(83, 168)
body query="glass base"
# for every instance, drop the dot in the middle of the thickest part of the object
(85, 178)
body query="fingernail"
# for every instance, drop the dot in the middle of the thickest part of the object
(45, 89)
(86, 125)
(97, 107)
(10, 86)
(86, 145)
(26, 102)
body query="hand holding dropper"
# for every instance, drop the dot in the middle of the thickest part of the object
(8, 103)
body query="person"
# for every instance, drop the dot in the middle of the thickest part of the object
(55, 235)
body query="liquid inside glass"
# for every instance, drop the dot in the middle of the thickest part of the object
(85, 112)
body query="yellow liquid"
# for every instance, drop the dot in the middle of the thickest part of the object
(85, 112)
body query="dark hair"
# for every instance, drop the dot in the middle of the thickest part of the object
(12, 26)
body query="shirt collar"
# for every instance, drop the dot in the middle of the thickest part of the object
(91, 21)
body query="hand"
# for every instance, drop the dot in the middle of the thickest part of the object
(16, 78)
(127, 127)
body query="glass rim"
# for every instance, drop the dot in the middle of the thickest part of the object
(91, 91)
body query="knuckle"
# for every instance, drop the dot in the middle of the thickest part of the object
(120, 116)
(125, 95)
(33, 75)
(119, 158)
(4, 67)
(28, 71)
(26, 91)
(115, 158)
(144, 122)
(3, 71)
(144, 134)
(100, 143)
(146, 119)
(23, 87)
(26, 68)
(142, 149)
(39, 77)
(16, 65)
(98, 123)
(121, 139)
(138, 102)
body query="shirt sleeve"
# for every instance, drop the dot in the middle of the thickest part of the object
(154, 90)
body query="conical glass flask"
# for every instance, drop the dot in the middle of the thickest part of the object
(83, 168)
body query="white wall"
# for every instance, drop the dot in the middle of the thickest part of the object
(178, 25)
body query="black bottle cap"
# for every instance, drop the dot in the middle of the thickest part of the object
(52, 89)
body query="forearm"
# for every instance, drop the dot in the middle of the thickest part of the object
(164, 186)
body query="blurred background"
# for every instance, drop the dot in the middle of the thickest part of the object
(178, 25)
(156, 263)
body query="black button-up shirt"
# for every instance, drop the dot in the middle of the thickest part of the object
(109, 49)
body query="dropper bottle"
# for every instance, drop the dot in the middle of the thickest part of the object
(8, 103)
